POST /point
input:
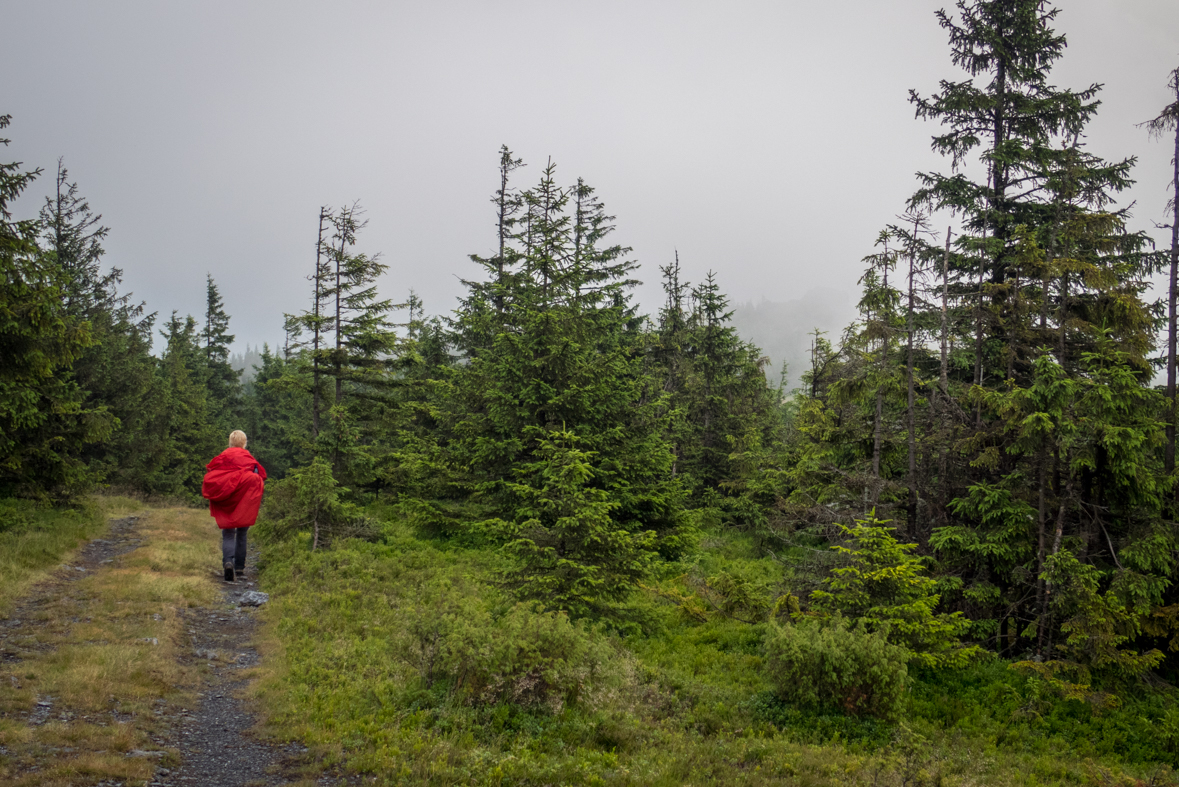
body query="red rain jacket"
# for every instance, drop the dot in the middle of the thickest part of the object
(233, 486)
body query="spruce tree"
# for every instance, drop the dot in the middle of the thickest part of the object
(880, 582)
(669, 356)
(223, 381)
(569, 551)
(44, 422)
(568, 360)
(316, 321)
(1023, 131)
(1055, 277)
(74, 235)
(116, 371)
(351, 344)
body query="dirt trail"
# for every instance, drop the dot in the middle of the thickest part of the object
(203, 744)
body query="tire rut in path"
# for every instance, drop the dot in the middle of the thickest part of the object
(213, 737)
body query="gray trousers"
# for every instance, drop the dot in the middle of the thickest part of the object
(233, 547)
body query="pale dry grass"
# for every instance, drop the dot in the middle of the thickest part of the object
(94, 657)
(117, 506)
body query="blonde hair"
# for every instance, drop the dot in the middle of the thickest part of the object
(237, 439)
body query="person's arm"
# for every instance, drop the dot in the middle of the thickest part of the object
(220, 482)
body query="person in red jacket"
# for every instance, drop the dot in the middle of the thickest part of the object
(233, 486)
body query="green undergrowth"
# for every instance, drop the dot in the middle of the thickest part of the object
(35, 537)
(1021, 712)
(403, 660)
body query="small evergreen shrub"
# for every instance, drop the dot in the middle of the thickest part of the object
(567, 549)
(531, 658)
(832, 665)
(524, 656)
(886, 587)
(308, 499)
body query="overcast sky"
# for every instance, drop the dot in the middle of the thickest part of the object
(769, 141)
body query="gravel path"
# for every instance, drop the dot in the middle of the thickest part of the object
(213, 739)
(215, 743)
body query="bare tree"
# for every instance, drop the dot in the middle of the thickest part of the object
(1168, 121)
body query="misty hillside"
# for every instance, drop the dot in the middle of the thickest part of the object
(245, 362)
(783, 329)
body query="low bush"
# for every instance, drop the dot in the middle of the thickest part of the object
(523, 655)
(531, 658)
(832, 665)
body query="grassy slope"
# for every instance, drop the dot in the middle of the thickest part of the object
(687, 702)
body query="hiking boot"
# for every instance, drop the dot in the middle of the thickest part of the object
(228, 566)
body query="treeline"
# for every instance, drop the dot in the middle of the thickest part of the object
(990, 420)
(994, 401)
(82, 399)
(546, 414)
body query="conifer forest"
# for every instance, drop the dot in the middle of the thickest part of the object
(547, 536)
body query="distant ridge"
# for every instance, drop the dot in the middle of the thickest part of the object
(245, 362)
(782, 329)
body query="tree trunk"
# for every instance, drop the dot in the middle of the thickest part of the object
(503, 209)
(1014, 319)
(876, 438)
(1042, 588)
(1170, 454)
(877, 424)
(1063, 317)
(315, 403)
(336, 360)
(815, 366)
(978, 334)
(1042, 533)
(945, 377)
(944, 453)
(909, 410)
(998, 172)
